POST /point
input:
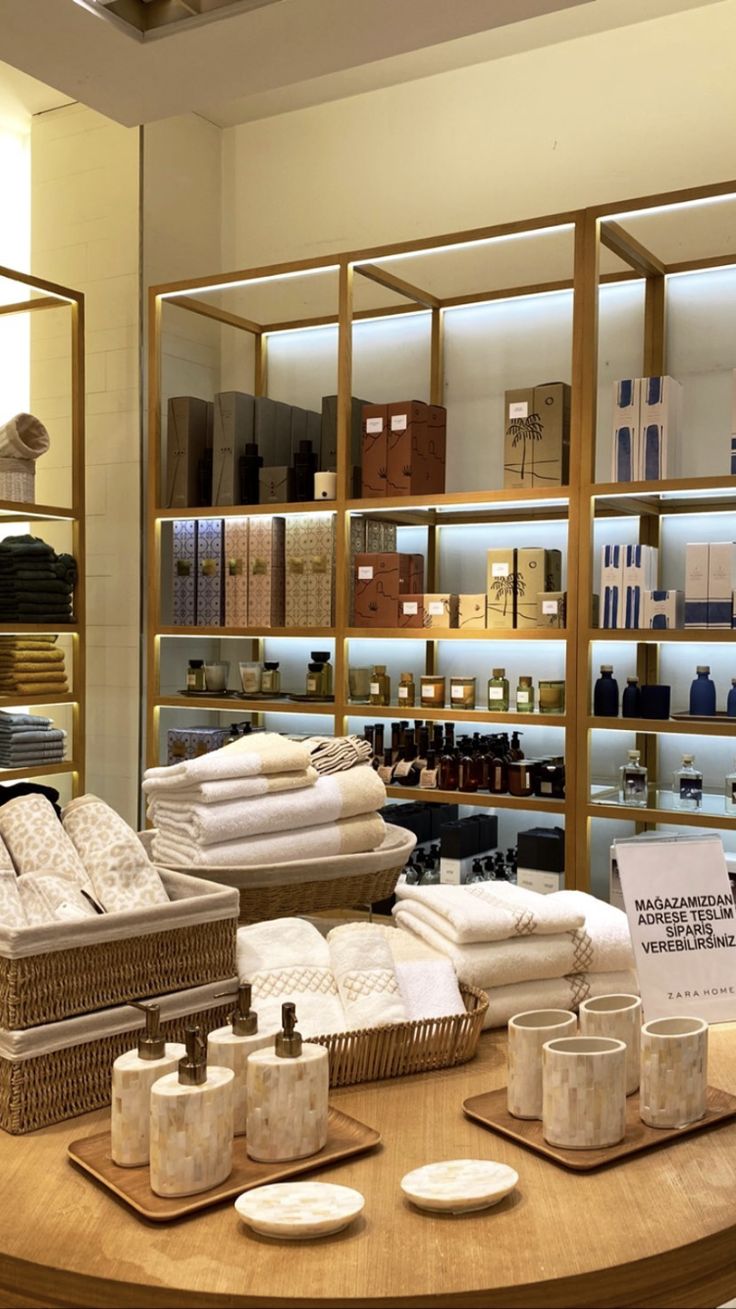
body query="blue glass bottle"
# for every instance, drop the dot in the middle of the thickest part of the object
(631, 699)
(731, 702)
(702, 693)
(605, 694)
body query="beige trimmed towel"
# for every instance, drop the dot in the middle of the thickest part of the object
(366, 977)
(351, 836)
(555, 993)
(231, 788)
(249, 756)
(490, 911)
(288, 959)
(116, 863)
(333, 754)
(23, 437)
(344, 795)
(37, 841)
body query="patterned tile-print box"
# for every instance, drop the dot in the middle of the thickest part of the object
(266, 572)
(310, 570)
(184, 580)
(236, 572)
(210, 578)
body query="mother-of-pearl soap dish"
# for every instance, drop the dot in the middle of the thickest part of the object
(459, 1186)
(299, 1211)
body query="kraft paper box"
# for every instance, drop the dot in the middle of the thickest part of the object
(471, 611)
(210, 572)
(379, 581)
(188, 435)
(236, 572)
(626, 410)
(553, 609)
(368, 535)
(664, 609)
(440, 610)
(537, 570)
(416, 574)
(721, 582)
(276, 485)
(411, 610)
(612, 582)
(191, 742)
(374, 450)
(310, 570)
(537, 436)
(640, 575)
(416, 449)
(659, 428)
(266, 547)
(697, 569)
(501, 588)
(184, 609)
(233, 430)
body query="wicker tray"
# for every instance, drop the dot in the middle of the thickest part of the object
(402, 1048)
(58, 1071)
(18, 480)
(51, 973)
(313, 885)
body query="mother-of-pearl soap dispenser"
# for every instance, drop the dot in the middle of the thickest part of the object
(192, 1124)
(231, 1046)
(133, 1075)
(287, 1090)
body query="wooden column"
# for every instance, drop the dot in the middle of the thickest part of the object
(344, 491)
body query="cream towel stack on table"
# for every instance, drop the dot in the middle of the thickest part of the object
(350, 836)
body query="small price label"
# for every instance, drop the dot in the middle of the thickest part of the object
(519, 409)
(495, 693)
(399, 423)
(457, 693)
(499, 570)
(365, 573)
(373, 425)
(436, 607)
(550, 606)
(375, 688)
(410, 607)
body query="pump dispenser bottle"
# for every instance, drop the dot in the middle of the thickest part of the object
(192, 1124)
(231, 1046)
(287, 1090)
(133, 1075)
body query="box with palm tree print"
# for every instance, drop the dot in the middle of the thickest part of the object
(537, 436)
(501, 580)
(537, 571)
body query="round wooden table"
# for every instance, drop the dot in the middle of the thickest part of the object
(659, 1230)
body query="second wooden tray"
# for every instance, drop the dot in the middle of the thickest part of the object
(345, 1137)
(490, 1111)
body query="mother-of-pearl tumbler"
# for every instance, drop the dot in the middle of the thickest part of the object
(584, 1092)
(618, 1016)
(528, 1033)
(674, 1071)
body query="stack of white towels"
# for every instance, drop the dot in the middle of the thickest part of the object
(265, 799)
(360, 975)
(527, 951)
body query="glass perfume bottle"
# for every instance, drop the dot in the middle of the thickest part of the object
(730, 787)
(407, 690)
(498, 691)
(605, 694)
(525, 696)
(702, 692)
(633, 781)
(688, 785)
(380, 686)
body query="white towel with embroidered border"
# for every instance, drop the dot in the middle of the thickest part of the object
(490, 911)
(288, 959)
(555, 993)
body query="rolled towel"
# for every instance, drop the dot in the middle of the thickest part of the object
(116, 863)
(37, 841)
(366, 977)
(333, 754)
(288, 959)
(492, 911)
(48, 898)
(555, 993)
(12, 913)
(232, 788)
(351, 836)
(249, 756)
(345, 795)
(23, 437)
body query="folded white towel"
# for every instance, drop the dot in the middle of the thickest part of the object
(350, 836)
(429, 988)
(493, 911)
(249, 756)
(366, 977)
(555, 993)
(231, 788)
(344, 795)
(288, 959)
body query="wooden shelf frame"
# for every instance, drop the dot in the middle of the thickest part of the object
(52, 295)
(579, 503)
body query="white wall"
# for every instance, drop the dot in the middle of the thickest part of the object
(15, 249)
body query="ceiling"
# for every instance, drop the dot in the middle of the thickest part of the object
(233, 61)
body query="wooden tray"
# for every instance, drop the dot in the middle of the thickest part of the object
(490, 1111)
(345, 1137)
(720, 716)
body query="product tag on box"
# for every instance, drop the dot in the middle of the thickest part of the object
(365, 574)
(500, 570)
(519, 409)
(550, 606)
(435, 607)
(373, 425)
(410, 607)
(456, 693)
(399, 423)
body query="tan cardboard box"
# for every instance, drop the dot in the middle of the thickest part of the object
(440, 610)
(380, 579)
(537, 570)
(553, 609)
(501, 588)
(471, 611)
(374, 450)
(537, 436)
(310, 570)
(411, 610)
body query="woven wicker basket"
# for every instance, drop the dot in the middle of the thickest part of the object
(401, 1048)
(43, 984)
(18, 480)
(313, 885)
(75, 1079)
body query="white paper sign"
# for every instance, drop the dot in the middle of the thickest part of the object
(435, 608)
(373, 425)
(683, 926)
(410, 606)
(499, 570)
(398, 423)
(550, 606)
(519, 409)
(365, 572)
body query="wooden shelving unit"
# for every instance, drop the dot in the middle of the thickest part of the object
(35, 294)
(598, 240)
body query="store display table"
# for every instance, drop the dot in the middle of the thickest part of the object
(659, 1230)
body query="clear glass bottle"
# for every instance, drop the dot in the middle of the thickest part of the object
(380, 686)
(323, 657)
(632, 789)
(525, 696)
(195, 675)
(407, 691)
(271, 679)
(498, 691)
(730, 788)
(688, 785)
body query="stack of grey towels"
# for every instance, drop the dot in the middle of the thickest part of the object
(29, 740)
